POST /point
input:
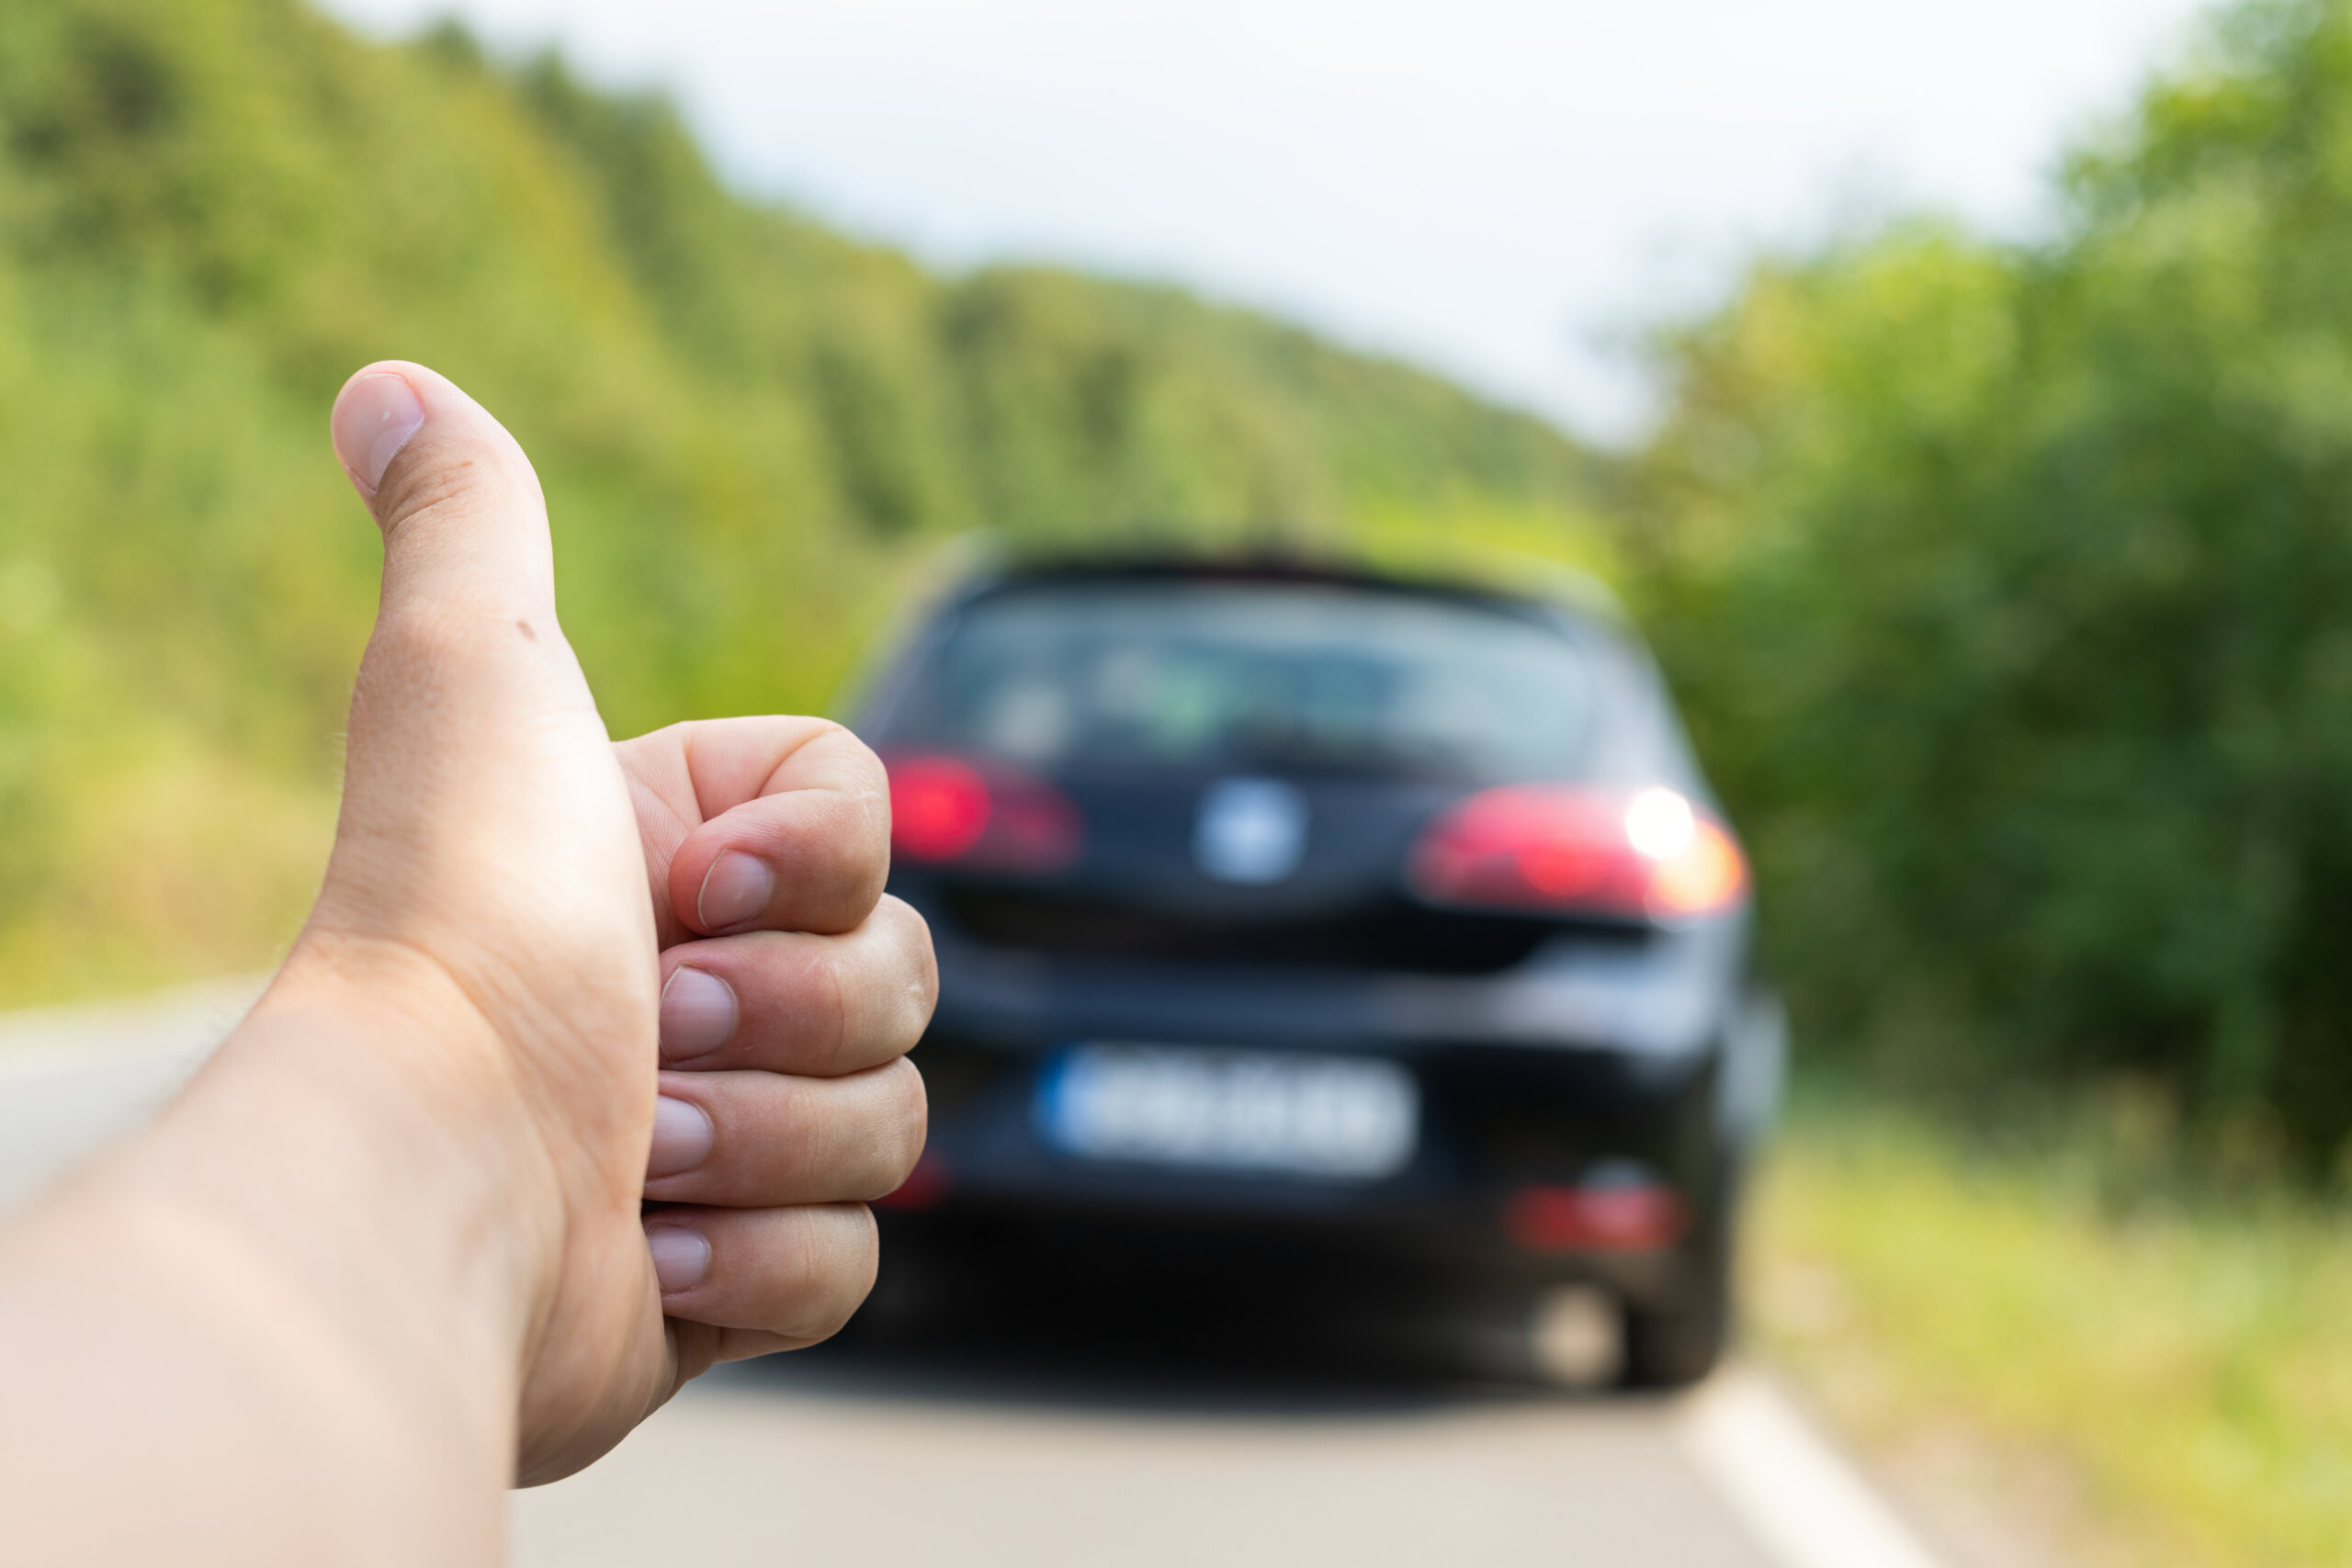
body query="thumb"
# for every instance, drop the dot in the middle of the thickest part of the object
(458, 501)
(477, 766)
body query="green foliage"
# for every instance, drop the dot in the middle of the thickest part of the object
(2012, 590)
(749, 428)
(2075, 1375)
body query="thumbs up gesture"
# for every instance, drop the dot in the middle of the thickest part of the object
(563, 906)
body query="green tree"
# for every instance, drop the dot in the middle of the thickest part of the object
(2012, 589)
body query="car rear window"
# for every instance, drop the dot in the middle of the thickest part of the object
(1239, 675)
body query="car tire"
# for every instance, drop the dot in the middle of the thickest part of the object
(1674, 1347)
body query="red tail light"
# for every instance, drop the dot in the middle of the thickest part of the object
(1643, 854)
(978, 813)
(926, 1187)
(1620, 1215)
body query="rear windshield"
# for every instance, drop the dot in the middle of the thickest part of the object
(1241, 675)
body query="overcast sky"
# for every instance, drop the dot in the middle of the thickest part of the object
(1499, 188)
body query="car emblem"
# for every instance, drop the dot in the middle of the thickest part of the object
(1251, 830)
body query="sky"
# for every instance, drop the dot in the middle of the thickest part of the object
(1504, 190)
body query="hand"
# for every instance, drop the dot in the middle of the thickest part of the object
(494, 856)
(505, 847)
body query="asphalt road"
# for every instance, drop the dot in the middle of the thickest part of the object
(838, 1456)
(1065, 1444)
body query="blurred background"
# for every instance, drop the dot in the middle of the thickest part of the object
(1960, 402)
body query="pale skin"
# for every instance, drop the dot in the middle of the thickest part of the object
(392, 1252)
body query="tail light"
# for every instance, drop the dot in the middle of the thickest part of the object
(1643, 854)
(926, 1187)
(1611, 1212)
(979, 813)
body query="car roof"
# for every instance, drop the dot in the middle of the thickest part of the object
(1573, 594)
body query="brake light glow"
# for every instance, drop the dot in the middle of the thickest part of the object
(1644, 855)
(978, 813)
(939, 807)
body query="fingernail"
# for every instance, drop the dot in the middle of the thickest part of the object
(681, 1256)
(698, 1014)
(682, 1137)
(373, 420)
(734, 889)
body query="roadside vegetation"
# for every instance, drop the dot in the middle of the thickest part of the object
(2009, 589)
(2057, 1344)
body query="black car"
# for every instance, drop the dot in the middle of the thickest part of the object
(1374, 919)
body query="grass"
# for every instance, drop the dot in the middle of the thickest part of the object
(2058, 1348)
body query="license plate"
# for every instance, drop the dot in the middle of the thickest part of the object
(1348, 1117)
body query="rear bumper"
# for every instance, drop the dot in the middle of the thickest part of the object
(1592, 1054)
(1496, 1124)
(1434, 1253)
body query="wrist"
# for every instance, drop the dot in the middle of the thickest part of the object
(422, 1234)
(320, 1264)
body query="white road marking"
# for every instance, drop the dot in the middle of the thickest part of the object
(1800, 1499)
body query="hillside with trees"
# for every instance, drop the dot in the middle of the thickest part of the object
(749, 426)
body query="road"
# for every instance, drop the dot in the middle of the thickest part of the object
(1038, 1451)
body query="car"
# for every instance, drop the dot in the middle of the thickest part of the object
(1378, 920)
